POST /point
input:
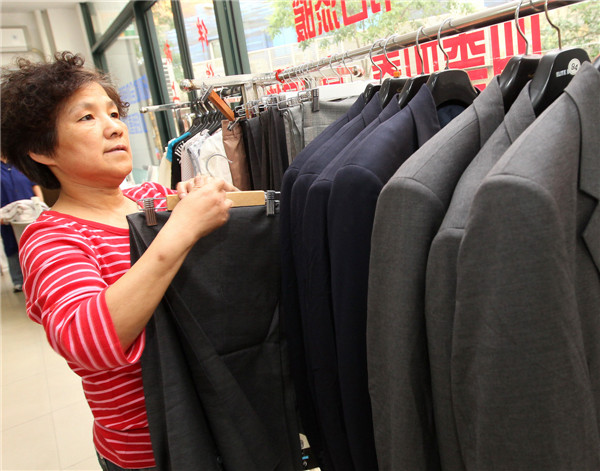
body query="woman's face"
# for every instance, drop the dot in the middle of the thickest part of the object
(93, 143)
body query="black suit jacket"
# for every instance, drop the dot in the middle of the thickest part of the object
(323, 378)
(214, 367)
(290, 303)
(318, 314)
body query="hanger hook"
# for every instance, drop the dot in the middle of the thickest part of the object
(320, 70)
(385, 52)
(306, 75)
(533, 6)
(439, 40)
(418, 46)
(553, 25)
(346, 67)
(332, 69)
(519, 28)
(373, 62)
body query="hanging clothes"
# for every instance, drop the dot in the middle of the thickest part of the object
(349, 226)
(290, 301)
(440, 291)
(322, 361)
(236, 154)
(216, 382)
(525, 365)
(409, 212)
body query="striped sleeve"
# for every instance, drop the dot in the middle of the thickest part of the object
(65, 292)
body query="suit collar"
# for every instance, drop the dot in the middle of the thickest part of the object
(422, 108)
(520, 115)
(584, 90)
(489, 108)
(371, 109)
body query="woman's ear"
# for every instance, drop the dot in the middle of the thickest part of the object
(42, 159)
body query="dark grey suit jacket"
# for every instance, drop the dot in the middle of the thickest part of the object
(440, 293)
(526, 344)
(409, 212)
(216, 379)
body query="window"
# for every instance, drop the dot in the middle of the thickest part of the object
(103, 14)
(126, 65)
(169, 48)
(203, 38)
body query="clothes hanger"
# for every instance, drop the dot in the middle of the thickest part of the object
(518, 70)
(372, 89)
(554, 72)
(346, 68)
(413, 84)
(450, 85)
(390, 86)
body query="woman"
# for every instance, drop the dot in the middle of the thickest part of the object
(61, 126)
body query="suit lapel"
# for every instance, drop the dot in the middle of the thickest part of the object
(584, 90)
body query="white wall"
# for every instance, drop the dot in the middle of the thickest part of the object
(28, 21)
(48, 31)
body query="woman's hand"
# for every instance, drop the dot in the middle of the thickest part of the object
(203, 207)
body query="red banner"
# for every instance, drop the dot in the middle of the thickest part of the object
(315, 17)
(483, 53)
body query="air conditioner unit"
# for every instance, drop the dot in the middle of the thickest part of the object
(14, 39)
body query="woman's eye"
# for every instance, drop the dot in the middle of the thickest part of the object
(87, 117)
(115, 114)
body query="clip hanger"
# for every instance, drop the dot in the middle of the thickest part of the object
(268, 198)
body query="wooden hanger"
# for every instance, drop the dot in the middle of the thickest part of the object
(239, 198)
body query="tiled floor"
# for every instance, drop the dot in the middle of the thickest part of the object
(46, 423)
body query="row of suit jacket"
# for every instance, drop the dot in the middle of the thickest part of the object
(441, 283)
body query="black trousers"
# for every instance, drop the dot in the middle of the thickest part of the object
(215, 371)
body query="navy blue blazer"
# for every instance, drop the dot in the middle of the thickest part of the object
(322, 377)
(290, 307)
(318, 314)
(350, 214)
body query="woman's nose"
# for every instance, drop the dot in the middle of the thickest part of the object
(114, 126)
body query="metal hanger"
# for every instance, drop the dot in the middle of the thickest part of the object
(371, 88)
(451, 85)
(518, 70)
(390, 86)
(413, 84)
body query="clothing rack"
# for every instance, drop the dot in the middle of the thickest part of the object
(207, 94)
(448, 27)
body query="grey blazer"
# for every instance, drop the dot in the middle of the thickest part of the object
(440, 291)
(526, 346)
(409, 212)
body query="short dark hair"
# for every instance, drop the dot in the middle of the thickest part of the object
(33, 95)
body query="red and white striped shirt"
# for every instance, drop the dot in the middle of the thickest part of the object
(68, 264)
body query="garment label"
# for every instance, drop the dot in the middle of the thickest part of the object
(308, 460)
(571, 69)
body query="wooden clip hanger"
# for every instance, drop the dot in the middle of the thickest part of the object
(239, 198)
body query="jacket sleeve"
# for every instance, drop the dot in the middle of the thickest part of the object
(520, 380)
